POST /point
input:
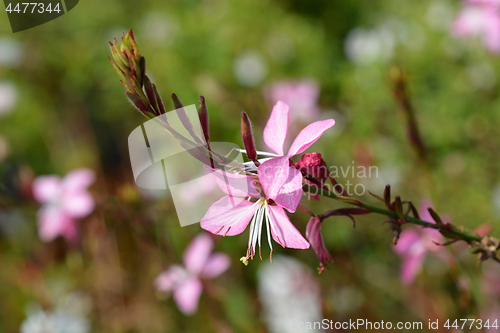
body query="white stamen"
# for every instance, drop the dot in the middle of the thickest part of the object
(260, 221)
(257, 230)
(268, 232)
(259, 227)
(271, 222)
(262, 153)
(250, 166)
(252, 223)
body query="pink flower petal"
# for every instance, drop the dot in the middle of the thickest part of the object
(187, 295)
(276, 128)
(492, 33)
(309, 135)
(78, 179)
(46, 188)
(273, 174)
(411, 266)
(283, 231)
(70, 232)
(291, 192)
(470, 21)
(216, 264)
(197, 253)
(51, 222)
(168, 279)
(229, 216)
(236, 184)
(77, 204)
(301, 96)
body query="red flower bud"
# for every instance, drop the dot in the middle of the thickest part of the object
(314, 165)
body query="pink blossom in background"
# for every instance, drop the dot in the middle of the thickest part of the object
(415, 243)
(231, 215)
(491, 281)
(485, 2)
(289, 294)
(276, 172)
(64, 200)
(301, 96)
(185, 281)
(490, 287)
(480, 18)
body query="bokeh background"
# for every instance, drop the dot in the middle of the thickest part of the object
(62, 107)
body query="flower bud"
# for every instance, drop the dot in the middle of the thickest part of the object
(315, 238)
(247, 135)
(387, 197)
(203, 115)
(398, 206)
(177, 102)
(314, 165)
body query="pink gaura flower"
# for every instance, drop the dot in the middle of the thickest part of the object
(276, 173)
(301, 96)
(64, 200)
(480, 18)
(185, 281)
(231, 215)
(414, 244)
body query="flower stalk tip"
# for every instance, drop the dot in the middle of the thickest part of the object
(488, 248)
(130, 66)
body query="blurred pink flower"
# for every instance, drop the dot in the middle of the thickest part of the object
(480, 18)
(274, 136)
(199, 263)
(491, 296)
(230, 215)
(491, 281)
(301, 96)
(485, 2)
(64, 200)
(414, 244)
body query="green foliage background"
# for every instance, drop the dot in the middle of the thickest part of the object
(72, 112)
